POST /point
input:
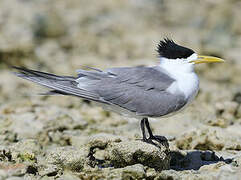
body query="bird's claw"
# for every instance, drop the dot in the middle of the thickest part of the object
(154, 140)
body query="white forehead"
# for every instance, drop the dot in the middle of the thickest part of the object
(180, 64)
(192, 57)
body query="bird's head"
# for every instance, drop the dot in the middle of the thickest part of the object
(174, 56)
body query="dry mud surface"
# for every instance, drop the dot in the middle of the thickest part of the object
(58, 137)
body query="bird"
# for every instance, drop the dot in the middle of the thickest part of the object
(142, 92)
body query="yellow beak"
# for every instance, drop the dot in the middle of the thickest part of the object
(207, 59)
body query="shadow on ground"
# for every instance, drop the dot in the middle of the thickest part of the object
(194, 160)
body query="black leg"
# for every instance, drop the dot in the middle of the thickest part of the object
(143, 129)
(148, 128)
(151, 139)
(145, 124)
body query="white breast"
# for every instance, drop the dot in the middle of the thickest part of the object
(186, 83)
(186, 80)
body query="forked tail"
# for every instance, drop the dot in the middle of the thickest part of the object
(65, 85)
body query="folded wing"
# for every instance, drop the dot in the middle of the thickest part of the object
(142, 90)
(138, 89)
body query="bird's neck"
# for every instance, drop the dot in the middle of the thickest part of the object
(186, 80)
(176, 66)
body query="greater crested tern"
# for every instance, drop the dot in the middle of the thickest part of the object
(141, 92)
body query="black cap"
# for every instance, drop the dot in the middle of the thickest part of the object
(169, 49)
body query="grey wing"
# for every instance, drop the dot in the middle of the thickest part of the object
(138, 89)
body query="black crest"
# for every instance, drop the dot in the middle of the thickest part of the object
(169, 49)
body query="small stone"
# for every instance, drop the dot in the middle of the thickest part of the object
(23, 120)
(49, 24)
(67, 158)
(227, 110)
(102, 139)
(3, 174)
(48, 170)
(63, 122)
(212, 167)
(209, 138)
(25, 150)
(68, 176)
(151, 173)
(13, 169)
(170, 174)
(14, 178)
(220, 122)
(202, 139)
(130, 172)
(237, 161)
(237, 97)
(238, 113)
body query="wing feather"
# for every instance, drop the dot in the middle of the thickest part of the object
(142, 90)
(138, 89)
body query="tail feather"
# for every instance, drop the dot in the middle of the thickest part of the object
(65, 85)
(53, 92)
(26, 71)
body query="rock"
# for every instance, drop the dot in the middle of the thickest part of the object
(151, 173)
(49, 24)
(3, 174)
(212, 167)
(209, 138)
(59, 129)
(237, 161)
(5, 154)
(14, 169)
(237, 97)
(98, 148)
(220, 122)
(63, 122)
(226, 113)
(34, 177)
(16, 40)
(227, 110)
(67, 158)
(48, 170)
(25, 150)
(49, 50)
(68, 176)
(136, 171)
(106, 150)
(137, 152)
(170, 174)
(14, 178)
(238, 113)
(129, 172)
(103, 139)
(133, 172)
(188, 174)
(202, 139)
(23, 120)
(77, 140)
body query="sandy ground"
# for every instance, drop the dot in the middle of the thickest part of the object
(60, 137)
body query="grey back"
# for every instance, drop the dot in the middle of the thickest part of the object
(138, 89)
